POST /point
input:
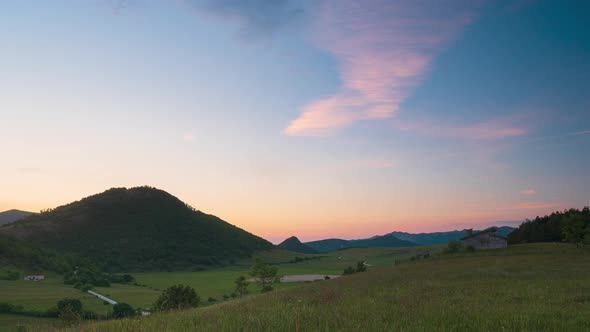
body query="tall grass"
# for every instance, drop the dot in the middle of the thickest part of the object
(523, 288)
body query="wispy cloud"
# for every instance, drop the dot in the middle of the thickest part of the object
(384, 48)
(488, 130)
(536, 205)
(577, 133)
(257, 18)
(528, 192)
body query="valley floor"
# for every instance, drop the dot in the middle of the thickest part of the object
(535, 287)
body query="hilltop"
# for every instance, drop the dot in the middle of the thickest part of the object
(137, 229)
(293, 244)
(13, 215)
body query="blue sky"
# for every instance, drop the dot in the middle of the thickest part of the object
(309, 118)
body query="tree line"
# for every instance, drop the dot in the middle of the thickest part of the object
(571, 225)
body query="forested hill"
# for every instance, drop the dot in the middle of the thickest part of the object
(12, 215)
(137, 229)
(571, 225)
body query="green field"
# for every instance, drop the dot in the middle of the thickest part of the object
(215, 283)
(535, 287)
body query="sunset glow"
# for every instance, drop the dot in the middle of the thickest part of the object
(320, 119)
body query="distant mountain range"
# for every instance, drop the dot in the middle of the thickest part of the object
(377, 241)
(13, 215)
(137, 229)
(396, 239)
(442, 237)
(293, 244)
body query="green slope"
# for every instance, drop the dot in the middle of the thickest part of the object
(137, 229)
(523, 288)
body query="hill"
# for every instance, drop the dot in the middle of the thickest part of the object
(137, 229)
(12, 215)
(442, 237)
(293, 244)
(329, 245)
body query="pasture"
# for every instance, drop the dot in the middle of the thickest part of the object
(533, 287)
(214, 283)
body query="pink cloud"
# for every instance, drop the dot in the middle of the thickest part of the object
(536, 205)
(528, 192)
(384, 48)
(488, 130)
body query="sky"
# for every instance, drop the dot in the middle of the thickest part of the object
(314, 118)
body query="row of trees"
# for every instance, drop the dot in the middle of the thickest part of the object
(571, 225)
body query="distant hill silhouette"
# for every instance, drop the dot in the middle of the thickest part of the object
(293, 244)
(137, 229)
(12, 215)
(442, 237)
(396, 239)
(329, 245)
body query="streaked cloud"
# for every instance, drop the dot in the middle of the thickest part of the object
(536, 205)
(528, 192)
(384, 49)
(488, 130)
(256, 18)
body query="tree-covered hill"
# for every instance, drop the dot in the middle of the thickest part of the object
(293, 244)
(329, 245)
(13, 215)
(571, 225)
(137, 229)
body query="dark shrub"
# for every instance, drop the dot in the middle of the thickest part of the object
(123, 310)
(176, 298)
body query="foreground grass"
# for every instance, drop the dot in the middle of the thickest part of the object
(541, 287)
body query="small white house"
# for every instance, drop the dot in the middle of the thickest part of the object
(35, 277)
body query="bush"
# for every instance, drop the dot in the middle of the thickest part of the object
(454, 246)
(241, 285)
(348, 271)
(70, 311)
(10, 275)
(123, 310)
(361, 267)
(176, 298)
(211, 300)
(326, 277)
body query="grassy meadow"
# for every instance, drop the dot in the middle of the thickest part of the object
(534, 287)
(215, 283)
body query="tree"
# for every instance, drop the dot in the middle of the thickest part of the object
(361, 267)
(265, 273)
(177, 297)
(241, 285)
(70, 311)
(348, 271)
(454, 246)
(123, 310)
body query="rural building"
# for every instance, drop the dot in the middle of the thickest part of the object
(486, 239)
(35, 277)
